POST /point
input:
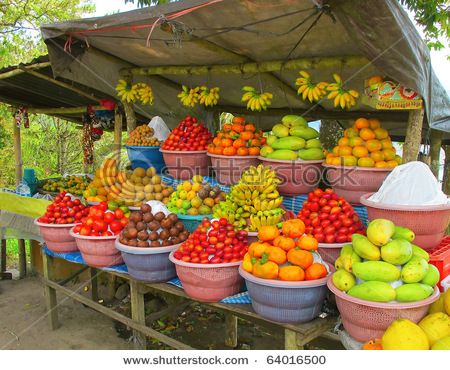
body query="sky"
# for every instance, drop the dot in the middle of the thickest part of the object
(439, 61)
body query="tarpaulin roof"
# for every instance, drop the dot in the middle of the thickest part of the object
(356, 39)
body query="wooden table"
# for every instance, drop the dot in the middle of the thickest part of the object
(296, 336)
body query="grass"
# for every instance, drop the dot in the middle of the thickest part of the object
(12, 252)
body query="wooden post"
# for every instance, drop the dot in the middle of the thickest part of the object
(137, 313)
(50, 293)
(3, 256)
(435, 152)
(94, 283)
(22, 259)
(290, 340)
(231, 330)
(117, 135)
(128, 107)
(17, 152)
(446, 181)
(413, 137)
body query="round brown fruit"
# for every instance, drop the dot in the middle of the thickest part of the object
(155, 244)
(174, 231)
(132, 243)
(179, 225)
(141, 226)
(131, 233)
(142, 244)
(154, 225)
(165, 234)
(166, 223)
(131, 224)
(142, 235)
(135, 216)
(175, 240)
(184, 235)
(145, 208)
(160, 216)
(173, 217)
(147, 218)
(153, 236)
(166, 243)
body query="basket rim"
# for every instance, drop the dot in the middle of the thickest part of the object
(398, 207)
(78, 236)
(182, 151)
(393, 306)
(144, 251)
(142, 147)
(232, 156)
(193, 218)
(332, 245)
(296, 161)
(201, 266)
(358, 168)
(284, 284)
(42, 224)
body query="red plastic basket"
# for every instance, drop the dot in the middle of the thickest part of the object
(440, 257)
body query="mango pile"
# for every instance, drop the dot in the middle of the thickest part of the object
(293, 139)
(72, 184)
(385, 266)
(365, 144)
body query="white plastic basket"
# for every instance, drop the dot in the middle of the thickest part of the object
(445, 283)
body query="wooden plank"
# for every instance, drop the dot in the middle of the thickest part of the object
(20, 70)
(117, 316)
(93, 272)
(22, 259)
(413, 137)
(17, 152)
(137, 314)
(231, 330)
(63, 110)
(290, 340)
(3, 256)
(50, 292)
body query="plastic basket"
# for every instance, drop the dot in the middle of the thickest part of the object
(183, 165)
(230, 168)
(145, 157)
(440, 257)
(191, 222)
(445, 284)
(330, 252)
(57, 237)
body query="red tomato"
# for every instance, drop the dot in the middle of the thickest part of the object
(107, 233)
(337, 224)
(333, 203)
(109, 217)
(118, 213)
(318, 192)
(323, 202)
(77, 229)
(115, 226)
(324, 216)
(320, 237)
(326, 209)
(330, 238)
(85, 230)
(100, 225)
(89, 221)
(341, 238)
(329, 230)
(315, 222)
(102, 206)
(343, 230)
(124, 222)
(325, 223)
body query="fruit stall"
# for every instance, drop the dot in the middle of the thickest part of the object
(233, 197)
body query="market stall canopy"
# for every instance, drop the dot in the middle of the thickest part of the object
(355, 39)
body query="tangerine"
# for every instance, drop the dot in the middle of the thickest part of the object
(392, 163)
(356, 141)
(336, 161)
(398, 159)
(374, 123)
(316, 271)
(386, 143)
(381, 133)
(381, 164)
(389, 154)
(361, 123)
(242, 151)
(345, 150)
(335, 151)
(351, 132)
(367, 134)
(373, 145)
(308, 243)
(366, 162)
(360, 151)
(377, 156)
(344, 141)
(349, 160)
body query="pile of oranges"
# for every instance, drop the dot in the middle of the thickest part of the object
(286, 256)
(237, 138)
(365, 144)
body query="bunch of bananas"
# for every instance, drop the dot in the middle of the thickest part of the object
(254, 201)
(145, 93)
(343, 98)
(189, 96)
(308, 89)
(127, 93)
(256, 101)
(209, 96)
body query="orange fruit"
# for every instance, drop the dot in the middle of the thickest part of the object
(308, 243)
(336, 161)
(349, 160)
(374, 123)
(351, 132)
(375, 80)
(300, 257)
(291, 273)
(389, 154)
(361, 123)
(266, 233)
(377, 156)
(345, 150)
(360, 151)
(373, 145)
(329, 158)
(316, 271)
(381, 133)
(242, 151)
(386, 143)
(366, 162)
(367, 134)
(356, 141)
(392, 163)
(381, 164)
(335, 151)
(344, 141)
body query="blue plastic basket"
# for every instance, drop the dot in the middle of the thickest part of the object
(191, 222)
(145, 157)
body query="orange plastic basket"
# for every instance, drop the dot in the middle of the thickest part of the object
(440, 257)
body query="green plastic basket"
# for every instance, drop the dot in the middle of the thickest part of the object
(191, 222)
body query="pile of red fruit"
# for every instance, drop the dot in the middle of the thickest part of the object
(100, 221)
(64, 210)
(330, 218)
(188, 135)
(214, 242)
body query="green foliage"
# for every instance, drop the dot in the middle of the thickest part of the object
(144, 3)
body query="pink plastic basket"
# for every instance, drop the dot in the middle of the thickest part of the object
(208, 283)
(427, 222)
(57, 237)
(330, 252)
(183, 165)
(365, 320)
(230, 168)
(98, 251)
(353, 182)
(297, 177)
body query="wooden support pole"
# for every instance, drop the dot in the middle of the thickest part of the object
(413, 137)
(117, 135)
(50, 292)
(17, 152)
(93, 272)
(22, 259)
(63, 110)
(137, 314)
(231, 330)
(2, 256)
(290, 340)
(21, 70)
(435, 152)
(446, 182)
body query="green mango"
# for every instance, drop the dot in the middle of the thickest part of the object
(376, 271)
(285, 154)
(346, 250)
(403, 233)
(343, 280)
(364, 248)
(415, 270)
(266, 150)
(280, 130)
(112, 205)
(290, 142)
(313, 143)
(306, 133)
(397, 252)
(375, 291)
(271, 139)
(311, 154)
(292, 120)
(432, 276)
(380, 231)
(419, 252)
(413, 292)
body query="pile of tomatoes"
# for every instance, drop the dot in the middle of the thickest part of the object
(64, 210)
(237, 138)
(188, 135)
(330, 218)
(214, 242)
(100, 221)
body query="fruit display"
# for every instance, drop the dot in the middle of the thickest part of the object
(385, 266)
(64, 210)
(101, 221)
(72, 184)
(341, 97)
(213, 242)
(308, 89)
(131, 93)
(195, 197)
(142, 136)
(256, 101)
(330, 218)
(148, 230)
(293, 139)
(254, 201)
(287, 256)
(208, 96)
(365, 144)
(190, 135)
(237, 138)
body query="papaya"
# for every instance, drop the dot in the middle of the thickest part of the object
(403, 233)
(306, 133)
(413, 292)
(403, 334)
(364, 248)
(374, 291)
(280, 130)
(343, 280)
(292, 120)
(271, 139)
(442, 344)
(380, 231)
(432, 276)
(376, 271)
(266, 150)
(283, 154)
(419, 252)
(311, 154)
(313, 143)
(415, 270)
(290, 142)
(397, 252)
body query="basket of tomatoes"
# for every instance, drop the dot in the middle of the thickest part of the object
(285, 277)
(185, 150)
(235, 148)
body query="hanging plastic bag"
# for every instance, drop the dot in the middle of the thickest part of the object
(411, 184)
(159, 126)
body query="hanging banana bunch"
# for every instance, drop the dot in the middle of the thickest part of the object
(307, 89)
(208, 96)
(189, 96)
(145, 93)
(256, 101)
(127, 93)
(342, 98)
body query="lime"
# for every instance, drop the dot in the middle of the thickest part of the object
(186, 204)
